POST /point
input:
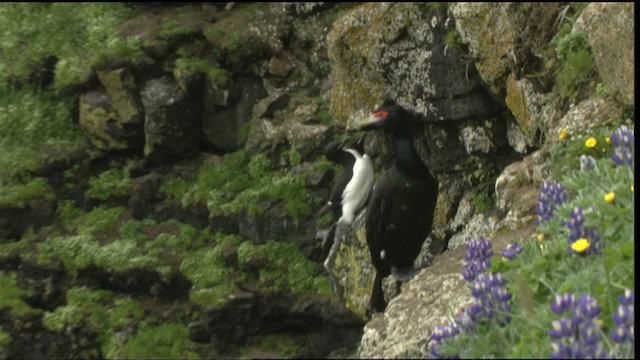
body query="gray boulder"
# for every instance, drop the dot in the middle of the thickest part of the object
(172, 122)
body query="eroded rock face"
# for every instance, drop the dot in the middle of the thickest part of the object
(611, 32)
(225, 114)
(172, 122)
(427, 300)
(121, 87)
(104, 126)
(397, 50)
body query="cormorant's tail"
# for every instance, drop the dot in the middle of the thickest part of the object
(377, 295)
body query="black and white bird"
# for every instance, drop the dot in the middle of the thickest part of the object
(400, 211)
(349, 193)
(353, 185)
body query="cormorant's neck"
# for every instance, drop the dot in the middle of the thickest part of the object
(407, 157)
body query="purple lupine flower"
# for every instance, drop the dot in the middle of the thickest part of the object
(512, 251)
(563, 303)
(461, 323)
(623, 141)
(441, 333)
(492, 299)
(577, 231)
(577, 336)
(478, 258)
(624, 319)
(551, 196)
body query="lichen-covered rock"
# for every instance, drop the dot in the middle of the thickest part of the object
(477, 226)
(351, 269)
(306, 8)
(532, 110)
(172, 123)
(517, 186)
(489, 32)
(306, 139)
(427, 300)
(585, 115)
(611, 32)
(483, 137)
(103, 125)
(125, 97)
(264, 136)
(398, 50)
(223, 124)
(254, 32)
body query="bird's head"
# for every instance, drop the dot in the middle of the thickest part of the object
(389, 116)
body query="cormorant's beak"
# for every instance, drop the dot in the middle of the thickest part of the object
(376, 119)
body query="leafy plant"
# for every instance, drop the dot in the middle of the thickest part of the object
(37, 127)
(110, 183)
(583, 259)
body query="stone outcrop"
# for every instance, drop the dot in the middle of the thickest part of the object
(380, 50)
(172, 121)
(611, 32)
(102, 123)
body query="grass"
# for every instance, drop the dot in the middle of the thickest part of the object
(110, 183)
(240, 183)
(35, 32)
(18, 195)
(548, 267)
(37, 127)
(569, 54)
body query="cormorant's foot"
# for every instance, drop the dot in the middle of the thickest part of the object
(403, 274)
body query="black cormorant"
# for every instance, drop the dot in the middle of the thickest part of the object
(401, 208)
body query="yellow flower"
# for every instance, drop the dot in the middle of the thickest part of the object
(591, 142)
(610, 197)
(540, 237)
(608, 140)
(581, 246)
(563, 133)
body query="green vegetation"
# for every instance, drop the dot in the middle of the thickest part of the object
(110, 183)
(569, 55)
(482, 202)
(37, 127)
(101, 311)
(33, 32)
(166, 341)
(135, 248)
(99, 219)
(272, 268)
(240, 183)
(11, 296)
(280, 345)
(19, 194)
(598, 214)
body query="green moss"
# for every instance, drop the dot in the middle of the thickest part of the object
(239, 183)
(97, 220)
(19, 195)
(213, 279)
(37, 127)
(110, 183)
(569, 55)
(166, 341)
(64, 30)
(100, 311)
(284, 268)
(11, 296)
(453, 39)
(482, 202)
(82, 304)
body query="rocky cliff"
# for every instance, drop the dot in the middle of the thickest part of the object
(190, 213)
